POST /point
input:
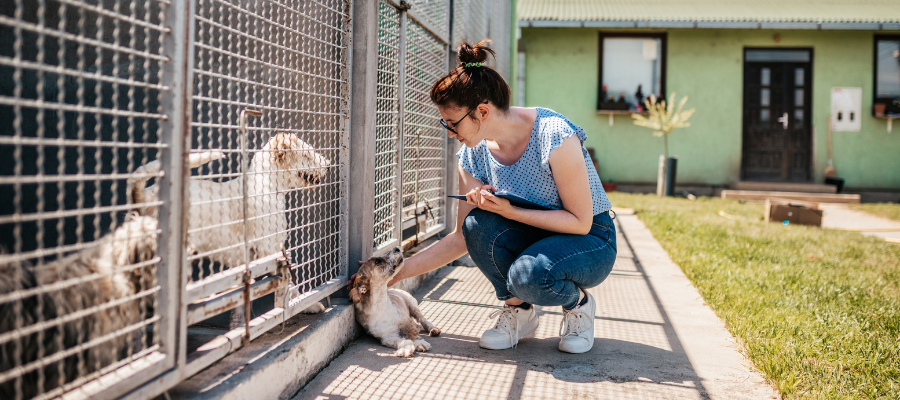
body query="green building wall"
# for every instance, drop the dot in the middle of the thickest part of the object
(561, 73)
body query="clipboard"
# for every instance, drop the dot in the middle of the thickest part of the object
(513, 199)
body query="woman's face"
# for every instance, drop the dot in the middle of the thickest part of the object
(463, 123)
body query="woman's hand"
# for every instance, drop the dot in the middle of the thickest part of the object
(483, 198)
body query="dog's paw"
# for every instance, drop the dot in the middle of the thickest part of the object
(405, 348)
(314, 309)
(422, 345)
(434, 332)
(406, 353)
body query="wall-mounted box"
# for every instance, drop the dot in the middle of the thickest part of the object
(846, 109)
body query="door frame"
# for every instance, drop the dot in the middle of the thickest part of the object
(809, 101)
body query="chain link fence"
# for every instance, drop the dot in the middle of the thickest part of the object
(176, 164)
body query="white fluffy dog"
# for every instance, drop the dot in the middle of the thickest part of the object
(215, 218)
(391, 315)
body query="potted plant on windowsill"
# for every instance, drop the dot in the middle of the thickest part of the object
(664, 118)
(608, 102)
(886, 105)
(892, 106)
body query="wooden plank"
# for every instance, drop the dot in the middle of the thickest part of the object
(761, 196)
(784, 187)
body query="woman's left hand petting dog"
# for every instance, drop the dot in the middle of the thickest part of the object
(391, 315)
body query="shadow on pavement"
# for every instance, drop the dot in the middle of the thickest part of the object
(637, 353)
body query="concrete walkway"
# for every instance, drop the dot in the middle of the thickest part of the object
(656, 339)
(839, 216)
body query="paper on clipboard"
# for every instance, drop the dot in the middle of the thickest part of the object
(515, 200)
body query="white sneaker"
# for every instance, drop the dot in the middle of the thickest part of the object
(513, 323)
(577, 329)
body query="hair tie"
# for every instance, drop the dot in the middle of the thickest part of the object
(471, 65)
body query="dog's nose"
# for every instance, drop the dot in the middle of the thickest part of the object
(396, 249)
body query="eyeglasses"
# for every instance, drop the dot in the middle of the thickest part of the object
(446, 125)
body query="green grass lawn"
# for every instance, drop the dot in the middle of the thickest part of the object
(818, 311)
(886, 210)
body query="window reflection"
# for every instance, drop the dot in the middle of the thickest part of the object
(764, 116)
(629, 63)
(764, 97)
(799, 76)
(798, 117)
(887, 69)
(765, 77)
(798, 97)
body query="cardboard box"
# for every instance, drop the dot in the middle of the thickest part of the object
(795, 212)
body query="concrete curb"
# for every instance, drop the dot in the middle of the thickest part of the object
(279, 363)
(724, 372)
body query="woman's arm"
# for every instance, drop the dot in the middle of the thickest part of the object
(570, 176)
(450, 247)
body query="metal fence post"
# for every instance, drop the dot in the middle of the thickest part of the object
(362, 132)
(452, 180)
(175, 132)
(401, 101)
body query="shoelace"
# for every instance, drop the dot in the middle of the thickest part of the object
(573, 323)
(503, 316)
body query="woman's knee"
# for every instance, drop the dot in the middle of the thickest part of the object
(475, 222)
(528, 277)
(481, 226)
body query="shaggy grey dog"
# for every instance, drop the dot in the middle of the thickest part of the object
(50, 310)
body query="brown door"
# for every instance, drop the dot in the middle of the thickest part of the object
(776, 127)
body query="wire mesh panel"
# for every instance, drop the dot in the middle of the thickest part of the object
(80, 112)
(434, 12)
(499, 33)
(470, 22)
(387, 157)
(288, 60)
(424, 141)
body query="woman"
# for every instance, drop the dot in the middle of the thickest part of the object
(532, 257)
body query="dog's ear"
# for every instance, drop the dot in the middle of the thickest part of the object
(360, 289)
(281, 145)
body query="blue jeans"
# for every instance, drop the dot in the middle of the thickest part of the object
(537, 266)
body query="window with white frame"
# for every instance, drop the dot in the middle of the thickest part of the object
(631, 65)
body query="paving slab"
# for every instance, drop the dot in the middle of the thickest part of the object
(837, 216)
(656, 339)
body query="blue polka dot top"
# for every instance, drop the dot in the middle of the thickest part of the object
(530, 177)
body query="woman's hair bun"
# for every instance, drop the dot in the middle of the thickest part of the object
(475, 54)
(471, 83)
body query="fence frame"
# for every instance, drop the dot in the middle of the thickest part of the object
(406, 12)
(181, 301)
(188, 306)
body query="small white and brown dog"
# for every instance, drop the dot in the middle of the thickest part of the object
(391, 315)
(215, 227)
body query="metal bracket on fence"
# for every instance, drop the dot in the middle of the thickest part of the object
(287, 279)
(247, 278)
